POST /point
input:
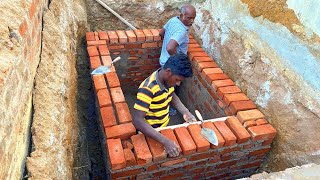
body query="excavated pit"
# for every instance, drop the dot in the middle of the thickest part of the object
(242, 145)
(46, 64)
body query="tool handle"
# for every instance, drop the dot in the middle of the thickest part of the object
(199, 115)
(116, 59)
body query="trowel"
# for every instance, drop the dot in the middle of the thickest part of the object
(105, 69)
(207, 133)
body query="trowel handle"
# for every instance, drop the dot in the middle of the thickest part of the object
(199, 115)
(116, 59)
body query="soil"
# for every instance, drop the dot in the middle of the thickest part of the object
(88, 163)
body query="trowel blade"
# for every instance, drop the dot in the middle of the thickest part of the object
(210, 135)
(101, 70)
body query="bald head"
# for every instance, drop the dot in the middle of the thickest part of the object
(188, 13)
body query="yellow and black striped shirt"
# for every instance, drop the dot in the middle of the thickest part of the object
(154, 99)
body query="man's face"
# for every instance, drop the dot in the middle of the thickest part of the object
(188, 17)
(173, 80)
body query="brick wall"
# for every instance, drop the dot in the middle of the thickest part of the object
(18, 66)
(244, 136)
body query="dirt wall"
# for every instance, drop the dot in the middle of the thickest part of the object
(20, 47)
(55, 128)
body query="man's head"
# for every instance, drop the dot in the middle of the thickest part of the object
(176, 69)
(187, 14)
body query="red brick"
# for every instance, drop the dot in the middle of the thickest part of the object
(260, 151)
(261, 122)
(122, 131)
(95, 62)
(108, 117)
(129, 156)
(123, 113)
(104, 51)
(201, 143)
(221, 140)
(142, 152)
(228, 98)
(90, 36)
(250, 123)
(195, 49)
(126, 144)
(157, 150)
(197, 54)
(150, 45)
(155, 33)
(140, 35)
(131, 36)
(262, 132)
(229, 150)
(148, 34)
(116, 155)
(133, 46)
(249, 115)
(221, 83)
(116, 47)
(227, 90)
(113, 80)
(117, 95)
(103, 35)
(23, 28)
(122, 36)
(96, 43)
(152, 167)
(92, 51)
(213, 77)
(229, 137)
(198, 156)
(185, 141)
(239, 131)
(241, 106)
(113, 37)
(204, 65)
(172, 176)
(208, 71)
(268, 142)
(170, 134)
(106, 60)
(126, 173)
(196, 45)
(173, 162)
(202, 59)
(104, 98)
(99, 82)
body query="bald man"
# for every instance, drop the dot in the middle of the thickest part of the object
(175, 37)
(175, 33)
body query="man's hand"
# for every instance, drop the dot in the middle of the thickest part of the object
(171, 148)
(188, 117)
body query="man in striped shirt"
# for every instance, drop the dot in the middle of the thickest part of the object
(154, 97)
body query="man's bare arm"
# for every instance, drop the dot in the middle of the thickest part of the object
(172, 47)
(162, 32)
(140, 124)
(187, 116)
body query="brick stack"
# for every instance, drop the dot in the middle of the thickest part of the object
(244, 138)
